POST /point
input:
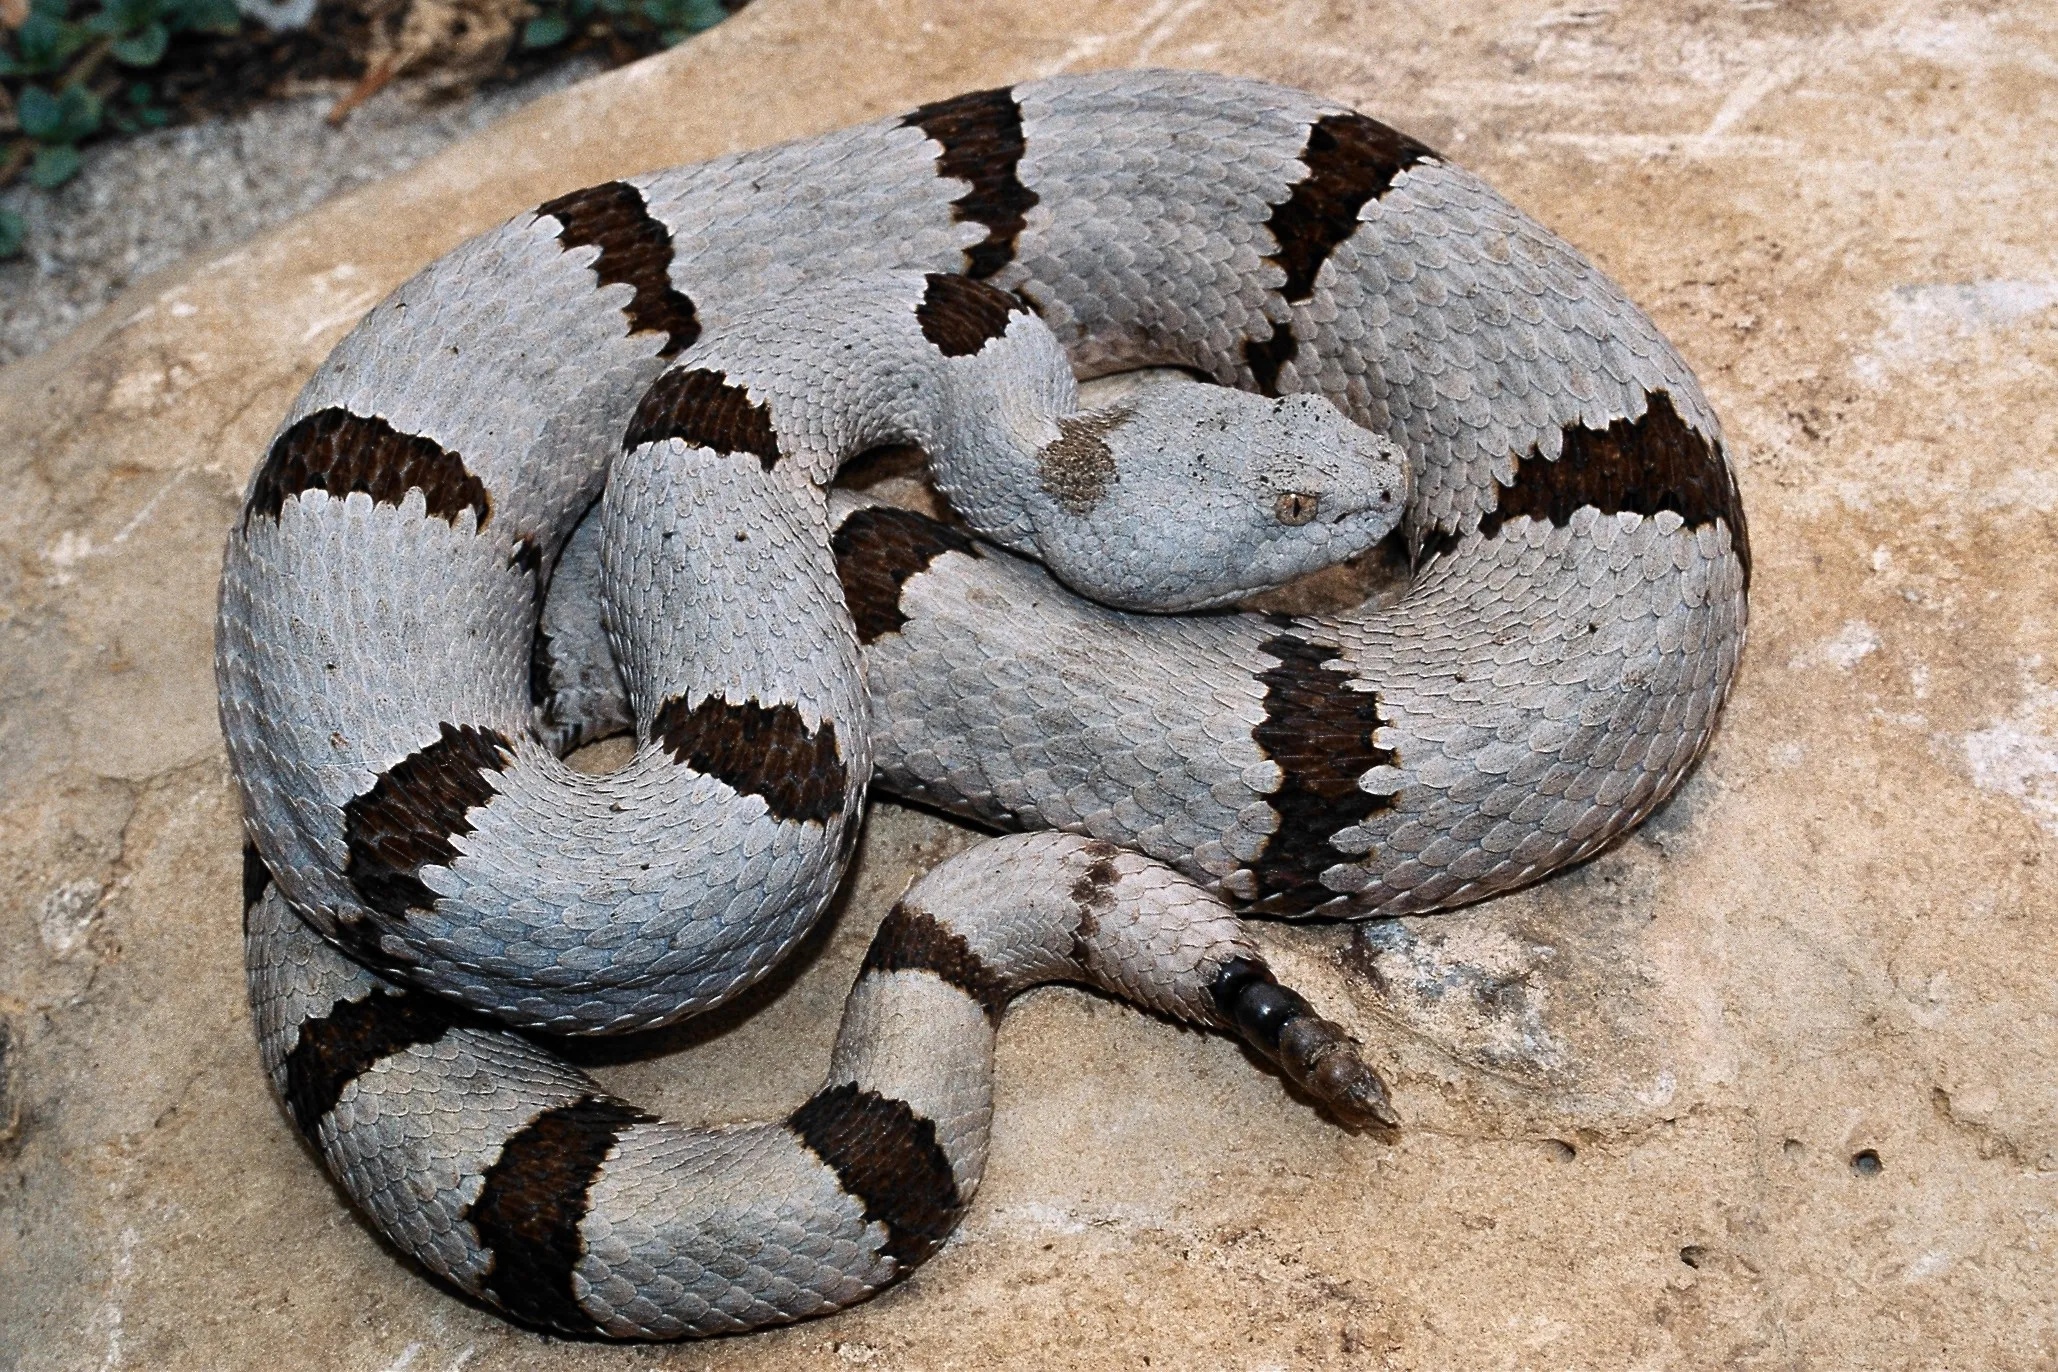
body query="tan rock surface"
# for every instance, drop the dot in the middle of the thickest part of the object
(1634, 1096)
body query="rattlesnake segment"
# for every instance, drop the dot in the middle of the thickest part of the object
(622, 411)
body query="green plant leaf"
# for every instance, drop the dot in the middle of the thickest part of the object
(38, 111)
(45, 42)
(546, 30)
(12, 231)
(703, 14)
(78, 112)
(54, 165)
(142, 49)
(208, 16)
(121, 18)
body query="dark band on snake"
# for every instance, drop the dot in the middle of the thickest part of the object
(354, 1037)
(635, 250)
(1320, 732)
(339, 452)
(961, 316)
(406, 820)
(910, 939)
(528, 1212)
(981, 134)
(877, 550)
(887, 1156)
(1350, 160)
(759, 751)
(1644, 465)
(701, 408)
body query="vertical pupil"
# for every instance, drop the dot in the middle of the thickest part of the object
(1294, 507)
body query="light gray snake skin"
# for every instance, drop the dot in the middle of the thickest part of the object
(675, 367)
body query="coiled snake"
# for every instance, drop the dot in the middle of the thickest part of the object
(682, 361)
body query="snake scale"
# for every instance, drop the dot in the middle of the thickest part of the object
(573, 478)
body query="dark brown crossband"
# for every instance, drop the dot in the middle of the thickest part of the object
(349, 1041)
(961, 316)
(1351, 160)
(339, 452)
(701, 408)
(406, 820)
(535, 1194)
(635, 250)
(887, 1157)
(1641, 465)
(877, 549)
(912, 940)
(981, 135)
(1320, 732)
(770, 753)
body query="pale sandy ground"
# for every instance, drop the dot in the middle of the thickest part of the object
(1634, 1096)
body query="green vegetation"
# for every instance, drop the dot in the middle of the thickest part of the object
(72, 71)
(669, 22)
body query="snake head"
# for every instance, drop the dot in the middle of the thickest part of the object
(1184, 497)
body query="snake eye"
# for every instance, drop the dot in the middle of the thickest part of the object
(1294, 507)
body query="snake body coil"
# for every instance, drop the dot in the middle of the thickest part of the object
(682, 361)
